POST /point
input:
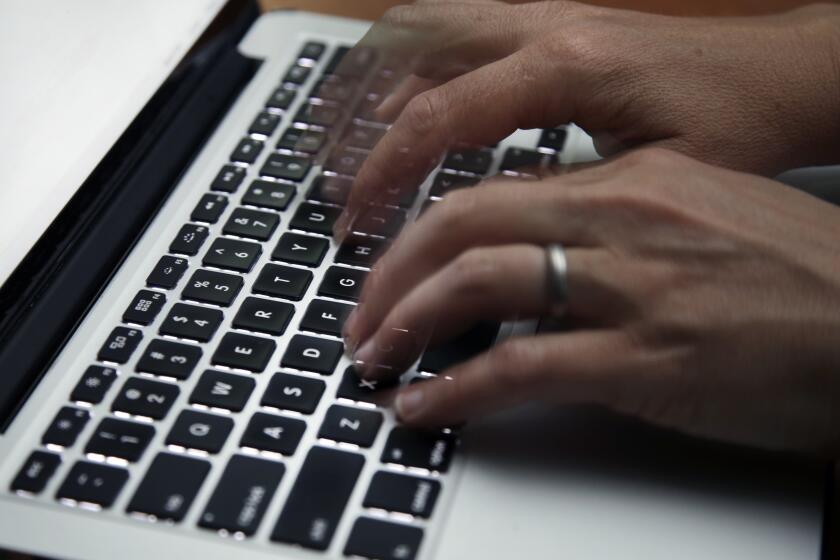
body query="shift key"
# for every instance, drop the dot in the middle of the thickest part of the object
(242, 495)
(318, 498)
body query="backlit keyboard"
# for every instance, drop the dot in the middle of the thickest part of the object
(254, 262)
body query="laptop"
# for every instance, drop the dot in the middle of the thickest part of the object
(172, 379)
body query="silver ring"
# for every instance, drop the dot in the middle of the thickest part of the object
(558, 285)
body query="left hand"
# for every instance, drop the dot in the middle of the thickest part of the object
(706, 300)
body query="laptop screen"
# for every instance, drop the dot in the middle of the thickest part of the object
(76, 74)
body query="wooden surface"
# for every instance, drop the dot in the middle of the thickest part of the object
(372, 9)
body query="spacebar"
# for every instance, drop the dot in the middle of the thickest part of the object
(318, 498)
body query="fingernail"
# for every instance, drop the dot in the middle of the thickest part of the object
(363, 357)
(409, 403)
(349, 330)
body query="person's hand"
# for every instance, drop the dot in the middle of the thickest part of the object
(704, 299)
(754, 94)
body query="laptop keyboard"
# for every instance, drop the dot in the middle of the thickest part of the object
(181, 317)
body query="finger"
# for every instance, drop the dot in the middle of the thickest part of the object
(487, 283)
(580, 366)
(478, 108)
(409, 88)
(499, 213)
(487, 216)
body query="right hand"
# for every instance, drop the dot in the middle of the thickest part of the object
(754, 94)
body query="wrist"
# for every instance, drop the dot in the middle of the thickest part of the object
(817, 71)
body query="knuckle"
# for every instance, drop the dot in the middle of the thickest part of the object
(455, 208)
(422, 114)
(474, 272)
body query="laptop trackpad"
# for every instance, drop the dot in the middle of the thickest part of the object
(582, 483)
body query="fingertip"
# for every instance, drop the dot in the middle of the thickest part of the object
(409, 403)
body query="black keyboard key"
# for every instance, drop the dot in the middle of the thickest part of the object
(354, 63)
(312, 50)
(357, 250)
(167, 272)
(398, 196)
(240, 499)
(318, 498)
(66, 426)
(330, 189)
(94, 384)
(208, 286)
(308, 353)
(199, 430)
(517, 158)
(282, 281)
(265, 123)
(210, 208)
(339, 91)
(325, 317)
(247, 151)
(144, 397)
(144, 307)
(191, 321)
(232, 254)
(222, 390)
(282, 166)
(354, 388)
(364, 137)
(119, 438)
(170, 359)
(366, 110)
(269, 432)
(471, 161)
(269, 194)
(93, 483)
(264, 315)
(241, 351)
(297, 74)
(402, 493)
(460, 349)
(189, 239)
(293, 392)
(384, 540)
(341, 282)
(245, 222)
(445, 183)
(120, 344)
(380, 221)
(36, 472)
(553, 139)
(333, 63)
(301, 140)
(318, 115)
(300, 249)
(316, 218)
(228, 179)
(415, 448)
(351, 425)
(281, 98)
(169, 487)
(345, 162)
